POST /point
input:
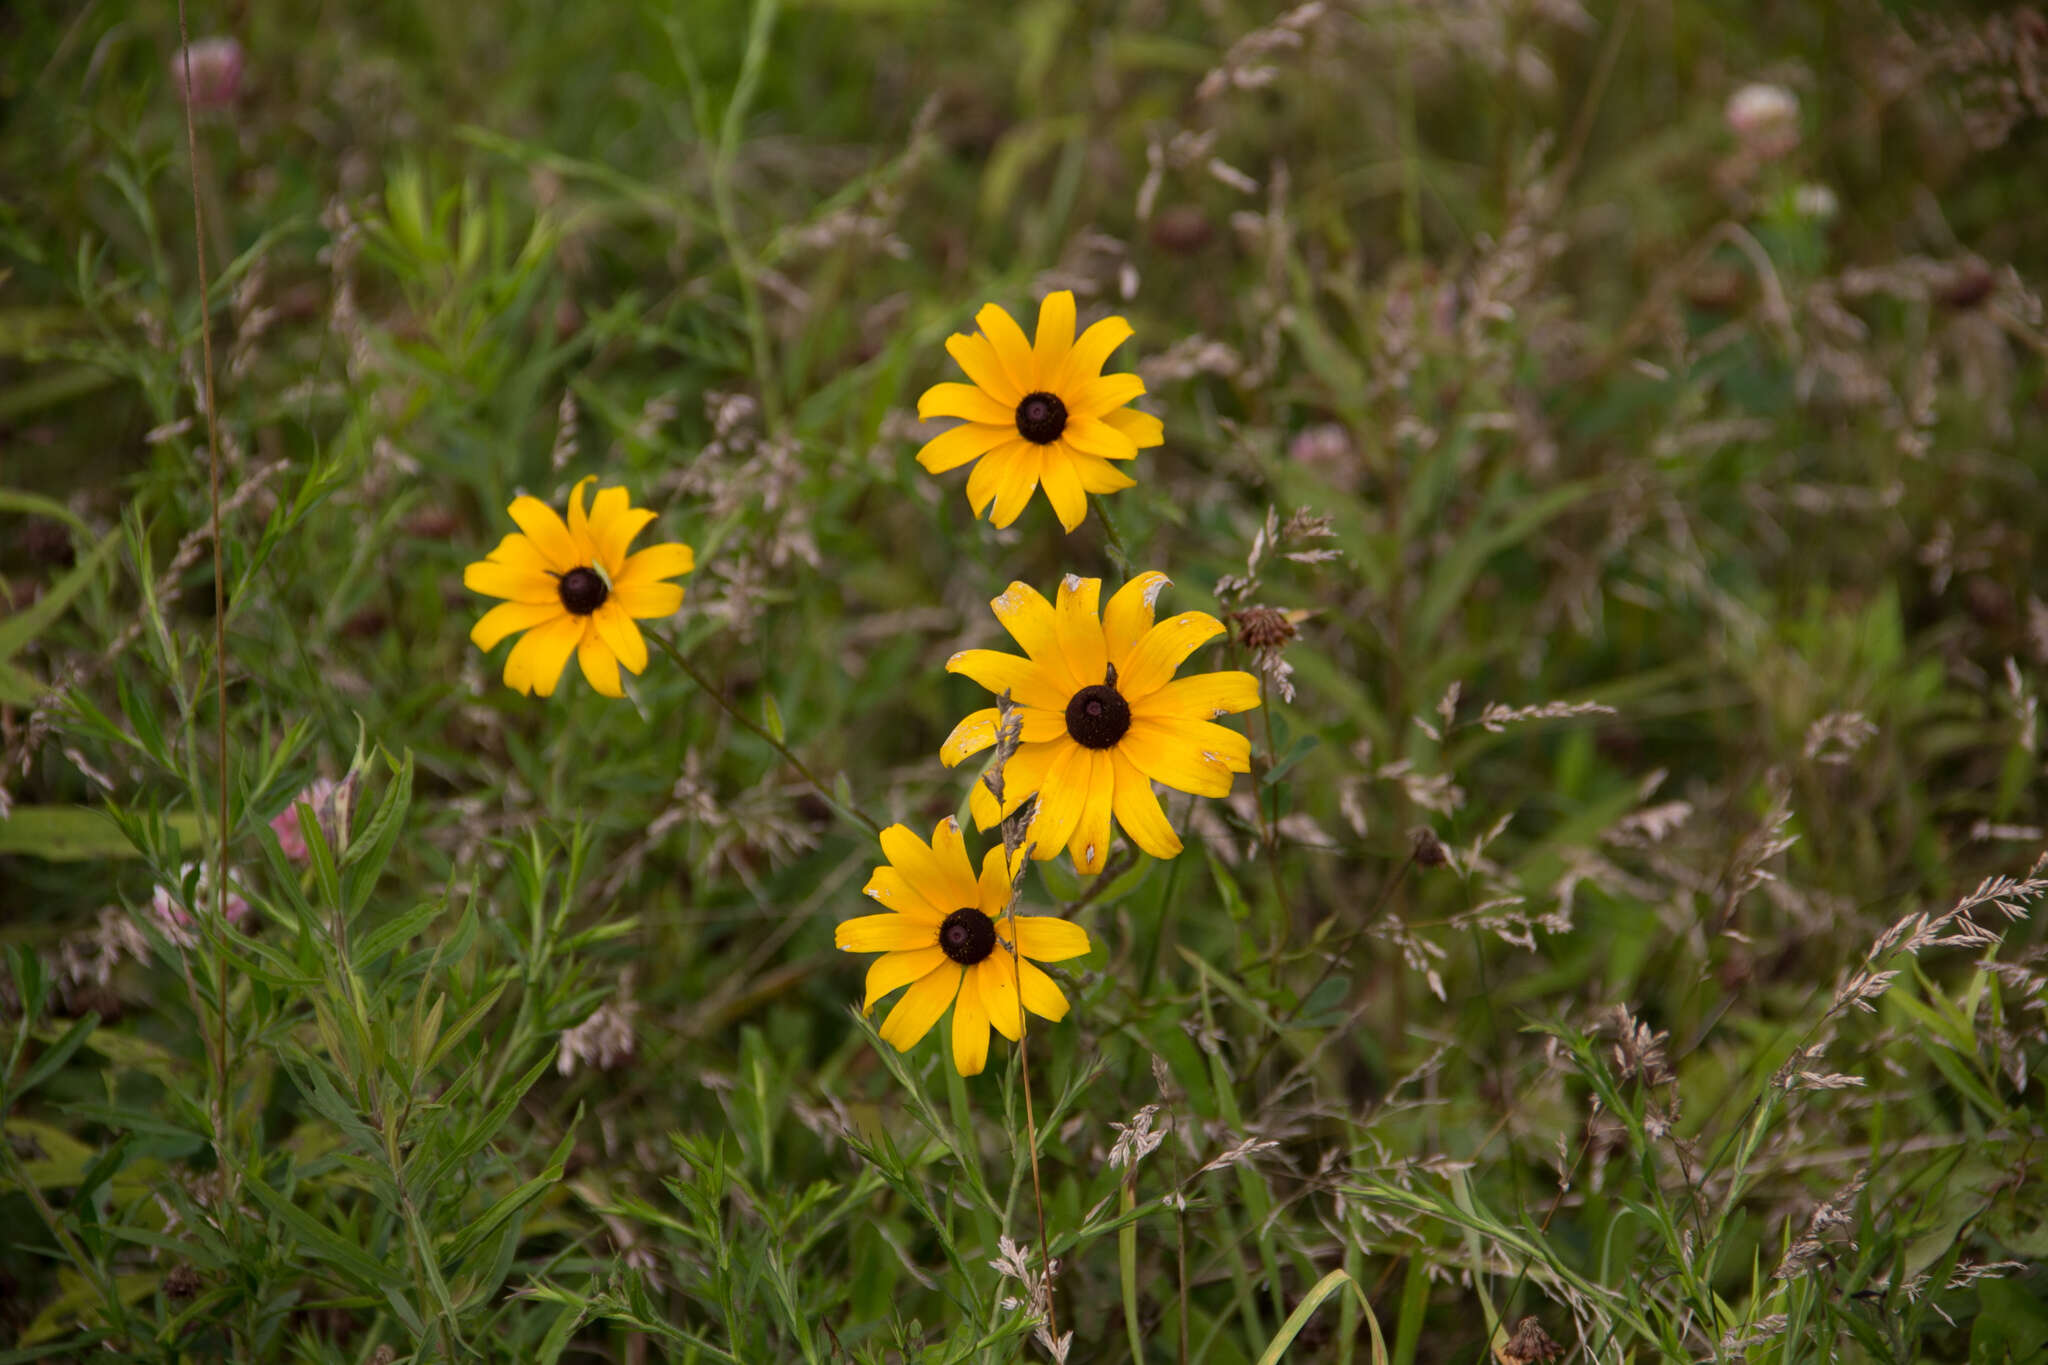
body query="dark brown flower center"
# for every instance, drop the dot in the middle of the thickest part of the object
(1041, 417)
(1098, 716)
(583, 591)
(967, 936)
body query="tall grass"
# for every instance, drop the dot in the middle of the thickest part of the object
(1628, 492)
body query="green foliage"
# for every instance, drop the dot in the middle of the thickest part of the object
(1631, 920)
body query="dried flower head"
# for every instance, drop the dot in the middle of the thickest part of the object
(1527, 1344)
(1265, 627)
(603, 1040)
(1428, 850)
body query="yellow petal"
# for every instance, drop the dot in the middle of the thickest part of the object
(1049, 938)
(1010, 347)
(509, 617)
(1029, 618)
(920, 1007)
(518, 584)
(947, 883)
(1041, 996)
(1076, 618)
(1099, 476)
(579, 522)
(968, 441)
(996, 975)
(606, 506)
(1024, 774)
(977, 355)
(975, 732)
(517, 552)
(536, 662)
(1099, 396)
(949, 847)
(970, 1027)
(1090, 842)
(1201, 696)
(1060, 799)
(1089, 355)
(1039, 724)
(655, 563)
(549, 536)
(644, 600)
(1138, 810)
(615, 627)
(986, 475)
(981, 803)
(1143, 428)
(1162, 649)
(1026, 680)
(1063, 488)
(600, 665)
(1055, 333)
(1015, 482)
(1129, 615)
(889, 887)
(891, 970)
(613, 526)
(994, 886)
(885, 934)
(1155, 749)
(964, 401)
(1093, 436)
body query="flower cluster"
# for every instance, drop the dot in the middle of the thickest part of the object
(1090, 719)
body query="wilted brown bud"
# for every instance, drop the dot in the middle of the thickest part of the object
(182, 1282)
(1183, 229)
(1429, 851)
(1528, 1344)
(1968, 285)
(216, 73)
(432, 523)
(1265, 628)
(47, 542)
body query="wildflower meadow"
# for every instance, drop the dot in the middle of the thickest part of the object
(927, 682)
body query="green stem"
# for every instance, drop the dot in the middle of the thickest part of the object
(1118, 553)
(706, 686)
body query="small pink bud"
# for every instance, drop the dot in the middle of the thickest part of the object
(216, 73)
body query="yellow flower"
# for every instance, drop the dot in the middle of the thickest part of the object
(948, 937)
(574, 589)
(1039, 413)
(1103, 717)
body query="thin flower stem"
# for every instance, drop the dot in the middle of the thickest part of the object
(711, 691)
(1269, 831)
(1052, 1325)
(1113, 536)
(220, 609)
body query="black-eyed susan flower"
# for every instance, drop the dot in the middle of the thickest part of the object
(948, 936)
(1038, 413)
(1103, 717)
(574, 590)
